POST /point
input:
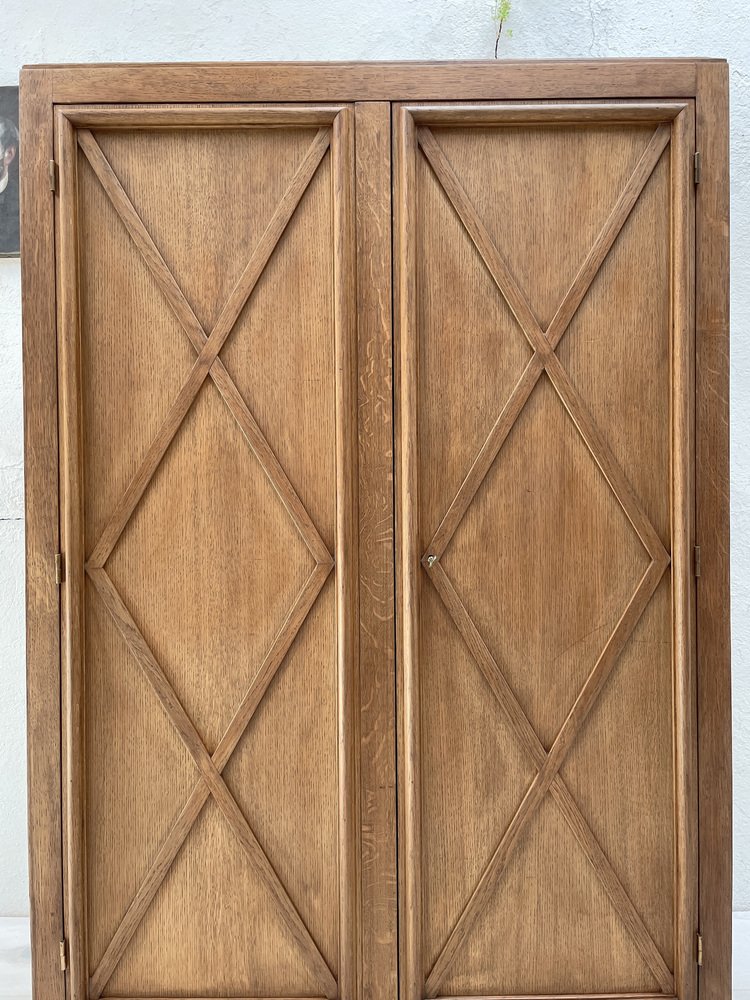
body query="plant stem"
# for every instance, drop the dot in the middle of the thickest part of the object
(497, 37)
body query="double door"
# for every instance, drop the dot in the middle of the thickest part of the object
(376, 430)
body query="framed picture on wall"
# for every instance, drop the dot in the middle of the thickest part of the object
(9, 219)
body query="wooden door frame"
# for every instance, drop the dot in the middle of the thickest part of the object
(45, 87)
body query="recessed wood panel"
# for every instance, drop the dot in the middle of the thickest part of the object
(544, 352)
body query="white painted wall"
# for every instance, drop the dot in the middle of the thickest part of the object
(160, 30)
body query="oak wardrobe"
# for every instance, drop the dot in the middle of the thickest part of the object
(376, 472)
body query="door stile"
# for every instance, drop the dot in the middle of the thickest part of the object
(42, 524)
(683, 537)
(72, 545)
(407, 556)
(347, 572)
(378, 937)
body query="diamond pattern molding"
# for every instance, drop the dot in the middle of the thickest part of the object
(544, 359)
(207, 364)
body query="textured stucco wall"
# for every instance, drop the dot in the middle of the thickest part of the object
(140, 30)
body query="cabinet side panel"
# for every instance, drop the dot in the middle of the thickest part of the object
(712, 532)
(41, 470)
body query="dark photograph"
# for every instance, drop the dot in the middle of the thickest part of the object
(9, 217)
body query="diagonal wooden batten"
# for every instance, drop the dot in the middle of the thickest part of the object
(527, 737)
(192, 326)
(138, 233)
(596, 444)
(212, 778)
(275, 656)
(148, 888)
(186, 819)
(213, 344)
(547, 773)
(608, 234)
(542, 344)
(270, 465)
(486, 456)
(612, 885)
(603, 668)
(145, 245)
(481, 238)
(544, 358)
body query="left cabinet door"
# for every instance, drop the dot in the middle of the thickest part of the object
(207, 386)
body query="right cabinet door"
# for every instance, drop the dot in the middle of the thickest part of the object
(544, 263)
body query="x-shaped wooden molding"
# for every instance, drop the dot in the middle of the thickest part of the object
(208, 364)
(544, 359)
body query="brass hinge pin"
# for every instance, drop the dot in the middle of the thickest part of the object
(697, 167)
(699, 955)
(59, 568)
(697, 560)
(63, 957)
(52, 175)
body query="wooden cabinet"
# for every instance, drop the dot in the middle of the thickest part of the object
(376, 436)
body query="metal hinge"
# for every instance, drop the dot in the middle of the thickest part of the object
(697, 167)
(697, 560)
(63, 956)
(52, 175)
(59, 568)
(699, 950)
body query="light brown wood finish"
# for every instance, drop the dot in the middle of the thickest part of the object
(238, 717)
(198, 336)
(712, 532)
(178, 116)
(42, 537)
(567, 79)
(207, 346)
(683, 542)
(216, 786)
(407, 562)
(376, 572)
(73, 545)
(543, 343)
(524, 732)
(347, 549)
(189, 814)
(544, 114)
(212, 345)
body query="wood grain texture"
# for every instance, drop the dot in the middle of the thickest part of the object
(543, 343)
(347, 551)
(638, 955)
(42, 536)
(180, 116)
(400, 81)
(526, 662)
(180, 720)
(407, 562)
(191, 810)
(73, 545)
(194, 329)
(540, 114)
(577, 996)
(683, 541)
(171, 559)
(376, 539)
(215, 341)
(524, 732)
(712, 532)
